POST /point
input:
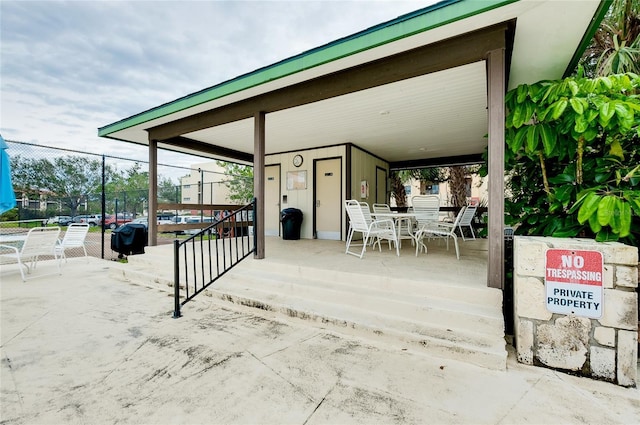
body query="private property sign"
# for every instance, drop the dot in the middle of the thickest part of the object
(573, 281)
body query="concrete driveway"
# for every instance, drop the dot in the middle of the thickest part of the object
(82, 348)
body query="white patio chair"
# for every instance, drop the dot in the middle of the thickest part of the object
(370, 229)
(466, 220)
(443, 230)
(74, 237)
(39, 241)
(381, 208)
(427, 213)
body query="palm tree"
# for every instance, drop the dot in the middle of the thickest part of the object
(615, 47)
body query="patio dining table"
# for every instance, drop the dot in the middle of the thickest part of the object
(399, 218)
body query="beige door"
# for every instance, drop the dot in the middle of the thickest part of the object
(272, 200)
(328, 184)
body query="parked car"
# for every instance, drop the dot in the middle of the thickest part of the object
(80, 218)
(112, 223)
(93, 219)
(198, 219)
(61, 220)
(145, 220)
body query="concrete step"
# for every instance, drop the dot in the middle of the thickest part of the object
(447, 319)
(466, 332)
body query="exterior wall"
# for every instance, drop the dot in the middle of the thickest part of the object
(363, 168)
(302, 199)
(605, 348)
(213, 190)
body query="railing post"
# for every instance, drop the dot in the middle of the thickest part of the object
(255, 228)
(176, 279)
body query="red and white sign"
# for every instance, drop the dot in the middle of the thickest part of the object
(573, 282)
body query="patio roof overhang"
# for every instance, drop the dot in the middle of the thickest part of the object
(411, 91)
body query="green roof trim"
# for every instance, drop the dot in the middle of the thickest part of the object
(422, 20)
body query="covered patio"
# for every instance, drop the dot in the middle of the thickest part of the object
(423, 89)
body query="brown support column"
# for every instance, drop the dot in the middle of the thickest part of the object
(153, 192)
(495, 101)
(258, 181)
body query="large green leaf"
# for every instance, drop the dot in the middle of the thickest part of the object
(549, 138)
(589, 207)
(532, 139)
(606, 235)
(581, 124)
(605, 209)
(614, 220)
(625, 219)
(615, 149)
(593, 223)
(607, 110)
(577, 105)
(558, 108)
(521, 93)
(518, 140)
(562, 178)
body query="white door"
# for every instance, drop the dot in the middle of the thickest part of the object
(272, 200)
(328, 183)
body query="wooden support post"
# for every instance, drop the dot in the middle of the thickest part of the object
(495, 101)
(153, 193)
(258, 181)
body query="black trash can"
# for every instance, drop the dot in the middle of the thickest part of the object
(130, 238)
(291, 219)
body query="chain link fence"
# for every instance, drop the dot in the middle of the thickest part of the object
(56, 186)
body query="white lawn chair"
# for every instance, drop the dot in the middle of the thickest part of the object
(370, 229)
(381, 208)
(74, 237)
(39, 241)
(427, 213)
(443, 230)
(466, 220)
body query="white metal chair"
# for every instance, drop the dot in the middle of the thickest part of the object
(39, 241)
(466, 220)
(427, 213)
(441, 229)
(370, 229)
(381, 208)
(74, 237)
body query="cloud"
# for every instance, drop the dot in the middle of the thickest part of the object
(68, 68)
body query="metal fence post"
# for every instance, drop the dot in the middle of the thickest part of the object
(176, 279)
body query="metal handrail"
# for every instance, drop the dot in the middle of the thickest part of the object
(226, 242)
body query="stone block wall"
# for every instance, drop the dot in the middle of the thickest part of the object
(604, 348)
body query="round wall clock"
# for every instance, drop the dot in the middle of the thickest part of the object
(297, 160)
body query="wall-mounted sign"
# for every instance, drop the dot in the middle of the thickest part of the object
(364, 189)
(296, 180)
(573, 282)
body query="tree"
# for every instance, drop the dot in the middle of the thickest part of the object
(168, 191)
(574, 158)
(615, 47)
(427, 177)
(71, 179)
(458, 186)
(398, 191)
(239, 179)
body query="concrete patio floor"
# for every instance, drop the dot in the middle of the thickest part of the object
(83, 348)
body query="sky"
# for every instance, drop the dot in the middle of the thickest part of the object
(70, 67)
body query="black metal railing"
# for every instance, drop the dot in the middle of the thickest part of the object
(207, 255)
